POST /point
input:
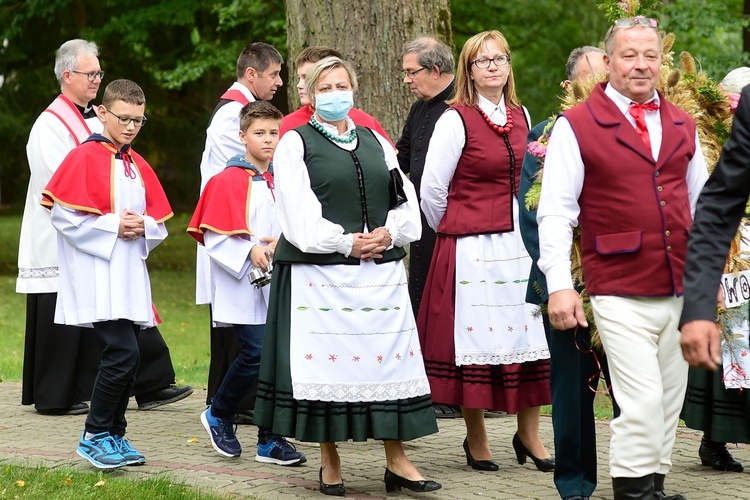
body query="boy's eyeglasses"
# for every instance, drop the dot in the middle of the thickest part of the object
(90, 76)
(484, 63)
(125, 120)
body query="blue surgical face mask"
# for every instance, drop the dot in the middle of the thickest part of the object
(334, 106)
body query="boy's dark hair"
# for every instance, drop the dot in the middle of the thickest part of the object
(315, 54)
(123, 90)
(258, 56)
(256, 111)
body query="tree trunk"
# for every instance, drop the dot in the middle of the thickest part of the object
(371, 36)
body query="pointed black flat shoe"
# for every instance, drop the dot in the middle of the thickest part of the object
(394, 482)
(488, 465)
(543, 464)
(336, 490)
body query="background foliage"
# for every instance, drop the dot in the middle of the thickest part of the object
(182, 52)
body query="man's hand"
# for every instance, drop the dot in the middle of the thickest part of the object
(565, 310)
(700, 344)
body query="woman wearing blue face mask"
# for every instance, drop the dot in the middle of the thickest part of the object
(341, 357)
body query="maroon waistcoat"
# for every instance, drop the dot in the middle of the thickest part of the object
(480, 195)
(635, 212)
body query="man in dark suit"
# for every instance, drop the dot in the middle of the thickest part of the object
(574, 369)
(720, 207)
(428, 71)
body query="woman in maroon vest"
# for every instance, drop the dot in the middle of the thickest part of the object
(482, 347)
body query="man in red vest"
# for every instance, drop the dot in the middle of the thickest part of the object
(60, 362)
(631, 186)
(258, 70)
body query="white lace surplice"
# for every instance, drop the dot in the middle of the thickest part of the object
(493, 324)
(353, 335)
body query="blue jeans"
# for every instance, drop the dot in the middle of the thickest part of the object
(242, 373)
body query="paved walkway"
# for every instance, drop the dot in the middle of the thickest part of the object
(177, 447)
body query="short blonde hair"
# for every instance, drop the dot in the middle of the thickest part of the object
(317, 70)
(466, 94)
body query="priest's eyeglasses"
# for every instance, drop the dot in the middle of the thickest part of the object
(484, 63)
(412, 74)
(125, 120)
(90, 76)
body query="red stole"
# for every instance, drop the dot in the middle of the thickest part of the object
(224, 204)
(67, 112)
(84, 182)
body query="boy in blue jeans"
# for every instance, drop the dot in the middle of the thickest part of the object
(236, 222)
(109, 209)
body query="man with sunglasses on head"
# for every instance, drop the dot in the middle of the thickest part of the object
(632, 184)
(60, 362)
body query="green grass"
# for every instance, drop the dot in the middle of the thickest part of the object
(62, 484)
(172, 268)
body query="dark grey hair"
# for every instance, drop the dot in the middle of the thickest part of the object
(571, 67)
(431, 52)
(67, 55)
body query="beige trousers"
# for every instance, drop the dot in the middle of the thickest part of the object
(649, 378)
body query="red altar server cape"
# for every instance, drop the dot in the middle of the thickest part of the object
(359, 117)
(82, 182)
(225, 201)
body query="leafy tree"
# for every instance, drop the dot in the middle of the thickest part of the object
(183, 52)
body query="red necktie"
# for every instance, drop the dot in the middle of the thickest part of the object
(637, 111)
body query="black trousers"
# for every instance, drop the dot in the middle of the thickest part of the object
(573, 374)
(225, 348)
(60, 362)
(115, 378)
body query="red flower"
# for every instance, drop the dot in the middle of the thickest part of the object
(332, 357)
(380, 358)
(308, 356)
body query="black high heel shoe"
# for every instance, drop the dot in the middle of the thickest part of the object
(543, 464)
(336, 490)
(394, 482)
(488, 465)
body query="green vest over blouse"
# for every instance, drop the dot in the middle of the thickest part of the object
(352, 188)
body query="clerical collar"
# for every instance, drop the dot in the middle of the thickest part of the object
(444, 94)
(87, 113)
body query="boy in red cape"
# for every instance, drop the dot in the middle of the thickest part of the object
(109, 209)
(235, 221)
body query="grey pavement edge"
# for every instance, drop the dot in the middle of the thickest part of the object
(176, 447)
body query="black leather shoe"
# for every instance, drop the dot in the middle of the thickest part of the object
(446, 411)
(659, 489)
(576, 497)
(74, 409)
(336, 490)
(245, 417)
(543, 464)
(717, 456)
(488, 465)
(394, 482)
(161, 397)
